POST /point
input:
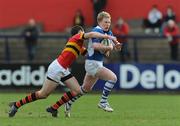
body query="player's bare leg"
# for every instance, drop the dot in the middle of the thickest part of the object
(110, 77)
(88, 83)
(76, 90)
(44, 92)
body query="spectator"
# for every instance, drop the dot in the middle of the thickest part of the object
(78, 18)
(170, 14)
(31, 34)
(153, 21)
(98, 6)
(171, 31)
(121, 29)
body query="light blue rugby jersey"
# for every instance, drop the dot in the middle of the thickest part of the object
(93, 54)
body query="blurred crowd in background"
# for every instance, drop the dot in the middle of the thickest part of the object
(155, 23)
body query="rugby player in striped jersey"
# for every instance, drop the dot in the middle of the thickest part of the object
(58, 72)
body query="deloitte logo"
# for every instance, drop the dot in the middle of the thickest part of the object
(23, 76)
(131, 77)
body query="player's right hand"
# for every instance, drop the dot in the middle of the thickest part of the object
(118, 46)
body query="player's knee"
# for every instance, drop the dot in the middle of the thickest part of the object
(86, 88)
(77, 91)
(42, 95)
(114, 79)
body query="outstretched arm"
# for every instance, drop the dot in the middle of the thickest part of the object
(99, 35)
(96, 35)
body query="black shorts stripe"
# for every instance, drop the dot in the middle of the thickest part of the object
(66, 77)
(51, 79)
(73, 47)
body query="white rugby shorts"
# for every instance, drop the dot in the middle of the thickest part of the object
(57, 73)
(92, 66)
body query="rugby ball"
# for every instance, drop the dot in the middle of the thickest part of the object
(105, 42)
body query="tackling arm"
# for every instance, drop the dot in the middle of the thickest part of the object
(96, 35)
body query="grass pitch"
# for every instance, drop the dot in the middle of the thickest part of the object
(129, 110)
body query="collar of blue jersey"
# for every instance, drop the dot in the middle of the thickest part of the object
(98, 27)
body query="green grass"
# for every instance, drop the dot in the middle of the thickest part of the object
(129, 110)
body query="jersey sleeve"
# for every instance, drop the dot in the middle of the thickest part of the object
(79, 36)
(110, 33)
(97, 40)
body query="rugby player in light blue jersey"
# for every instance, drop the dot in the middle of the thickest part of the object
(94, 63)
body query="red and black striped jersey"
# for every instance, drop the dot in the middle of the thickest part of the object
(73, 48)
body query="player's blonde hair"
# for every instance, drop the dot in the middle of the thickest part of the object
(102, 15)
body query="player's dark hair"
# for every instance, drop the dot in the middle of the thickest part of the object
(75, 29)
